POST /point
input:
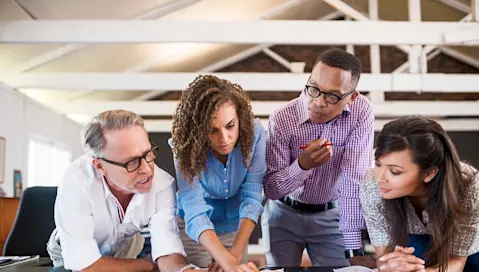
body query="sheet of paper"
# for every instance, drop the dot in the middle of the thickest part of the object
(14, 258)
(276, 270)
(355, 268)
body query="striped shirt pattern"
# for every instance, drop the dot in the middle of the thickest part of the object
(352, 135)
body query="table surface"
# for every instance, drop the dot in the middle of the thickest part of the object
(46, 269)
(44, 265)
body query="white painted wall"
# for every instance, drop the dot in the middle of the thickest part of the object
(22, 118)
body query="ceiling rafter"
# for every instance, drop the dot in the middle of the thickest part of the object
(447, 124)
(117, 82)
(235, 58)
(266, 108)
(153, 13)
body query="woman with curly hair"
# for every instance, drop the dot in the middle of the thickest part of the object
(219, 155)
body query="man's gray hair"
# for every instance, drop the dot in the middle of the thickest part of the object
(93, 138)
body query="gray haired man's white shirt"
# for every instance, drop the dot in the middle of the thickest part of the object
(88, 222)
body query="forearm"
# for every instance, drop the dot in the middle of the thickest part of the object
(245, 229)
(455, 264)
(351, 220)
(171, 263)
(210, 241)
(121, 265)
(282, 182)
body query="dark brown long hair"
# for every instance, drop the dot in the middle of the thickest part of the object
(191, 120)
(430, 147)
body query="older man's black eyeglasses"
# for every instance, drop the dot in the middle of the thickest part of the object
(133, 164)
(330, 98)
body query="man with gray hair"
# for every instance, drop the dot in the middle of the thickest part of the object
(108, 195)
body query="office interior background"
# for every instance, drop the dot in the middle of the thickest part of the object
(61, 62)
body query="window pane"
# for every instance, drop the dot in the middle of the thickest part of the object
(47, 161)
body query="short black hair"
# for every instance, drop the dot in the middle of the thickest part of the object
(341, 59)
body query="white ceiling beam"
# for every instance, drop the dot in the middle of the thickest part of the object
(430, 51)
(263, 108)
(349, 47)
(375, 54)
(414, 12)
(358, 16)
(147, 65)
(447, 124)
(46, 58)
(460, 56)
(71, 48)
(464, 36)
(456, 5)
(429, 56)
(216, 66)
(279, 59)
(165, 9)
(233, 59)
(475, 10)
(234, 32)
(429, 82)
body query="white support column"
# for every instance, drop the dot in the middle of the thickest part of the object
(414, 55)
(423, 60)
(375, 53)
(431, 52)
(475, 10)
(349, 47)
(430, 55)
(358, 16)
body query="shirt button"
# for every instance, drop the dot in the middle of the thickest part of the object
(224, 169)
(226, 190)
(225, 180)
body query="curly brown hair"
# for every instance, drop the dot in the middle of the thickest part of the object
(203, 97)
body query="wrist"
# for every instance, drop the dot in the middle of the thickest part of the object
(189, 267)
(301, 165)
(236, 252)
(231, 263)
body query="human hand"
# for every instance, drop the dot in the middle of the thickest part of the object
(248, 267)
(316, 154)
(401, 259)
(214, 267)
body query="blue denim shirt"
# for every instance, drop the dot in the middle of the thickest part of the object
(224, 195)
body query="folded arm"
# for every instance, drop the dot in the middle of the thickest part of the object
(282, 176)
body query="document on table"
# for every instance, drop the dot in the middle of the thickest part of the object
(6, 261)
(275, 270)
(355, 268)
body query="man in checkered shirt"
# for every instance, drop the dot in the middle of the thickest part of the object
(319, 148)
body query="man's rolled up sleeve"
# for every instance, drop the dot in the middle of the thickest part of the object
(165, 237)
(75, 228)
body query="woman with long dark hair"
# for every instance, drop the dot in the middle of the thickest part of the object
(421, 203)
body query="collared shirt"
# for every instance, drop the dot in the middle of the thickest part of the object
(90, 224)
(465, 241)
(224, 195)
(352, 135)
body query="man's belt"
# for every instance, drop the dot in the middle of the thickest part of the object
(308, 208)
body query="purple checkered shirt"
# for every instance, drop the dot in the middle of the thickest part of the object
(352, 135)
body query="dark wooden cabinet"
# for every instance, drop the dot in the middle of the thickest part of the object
(8, 212)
